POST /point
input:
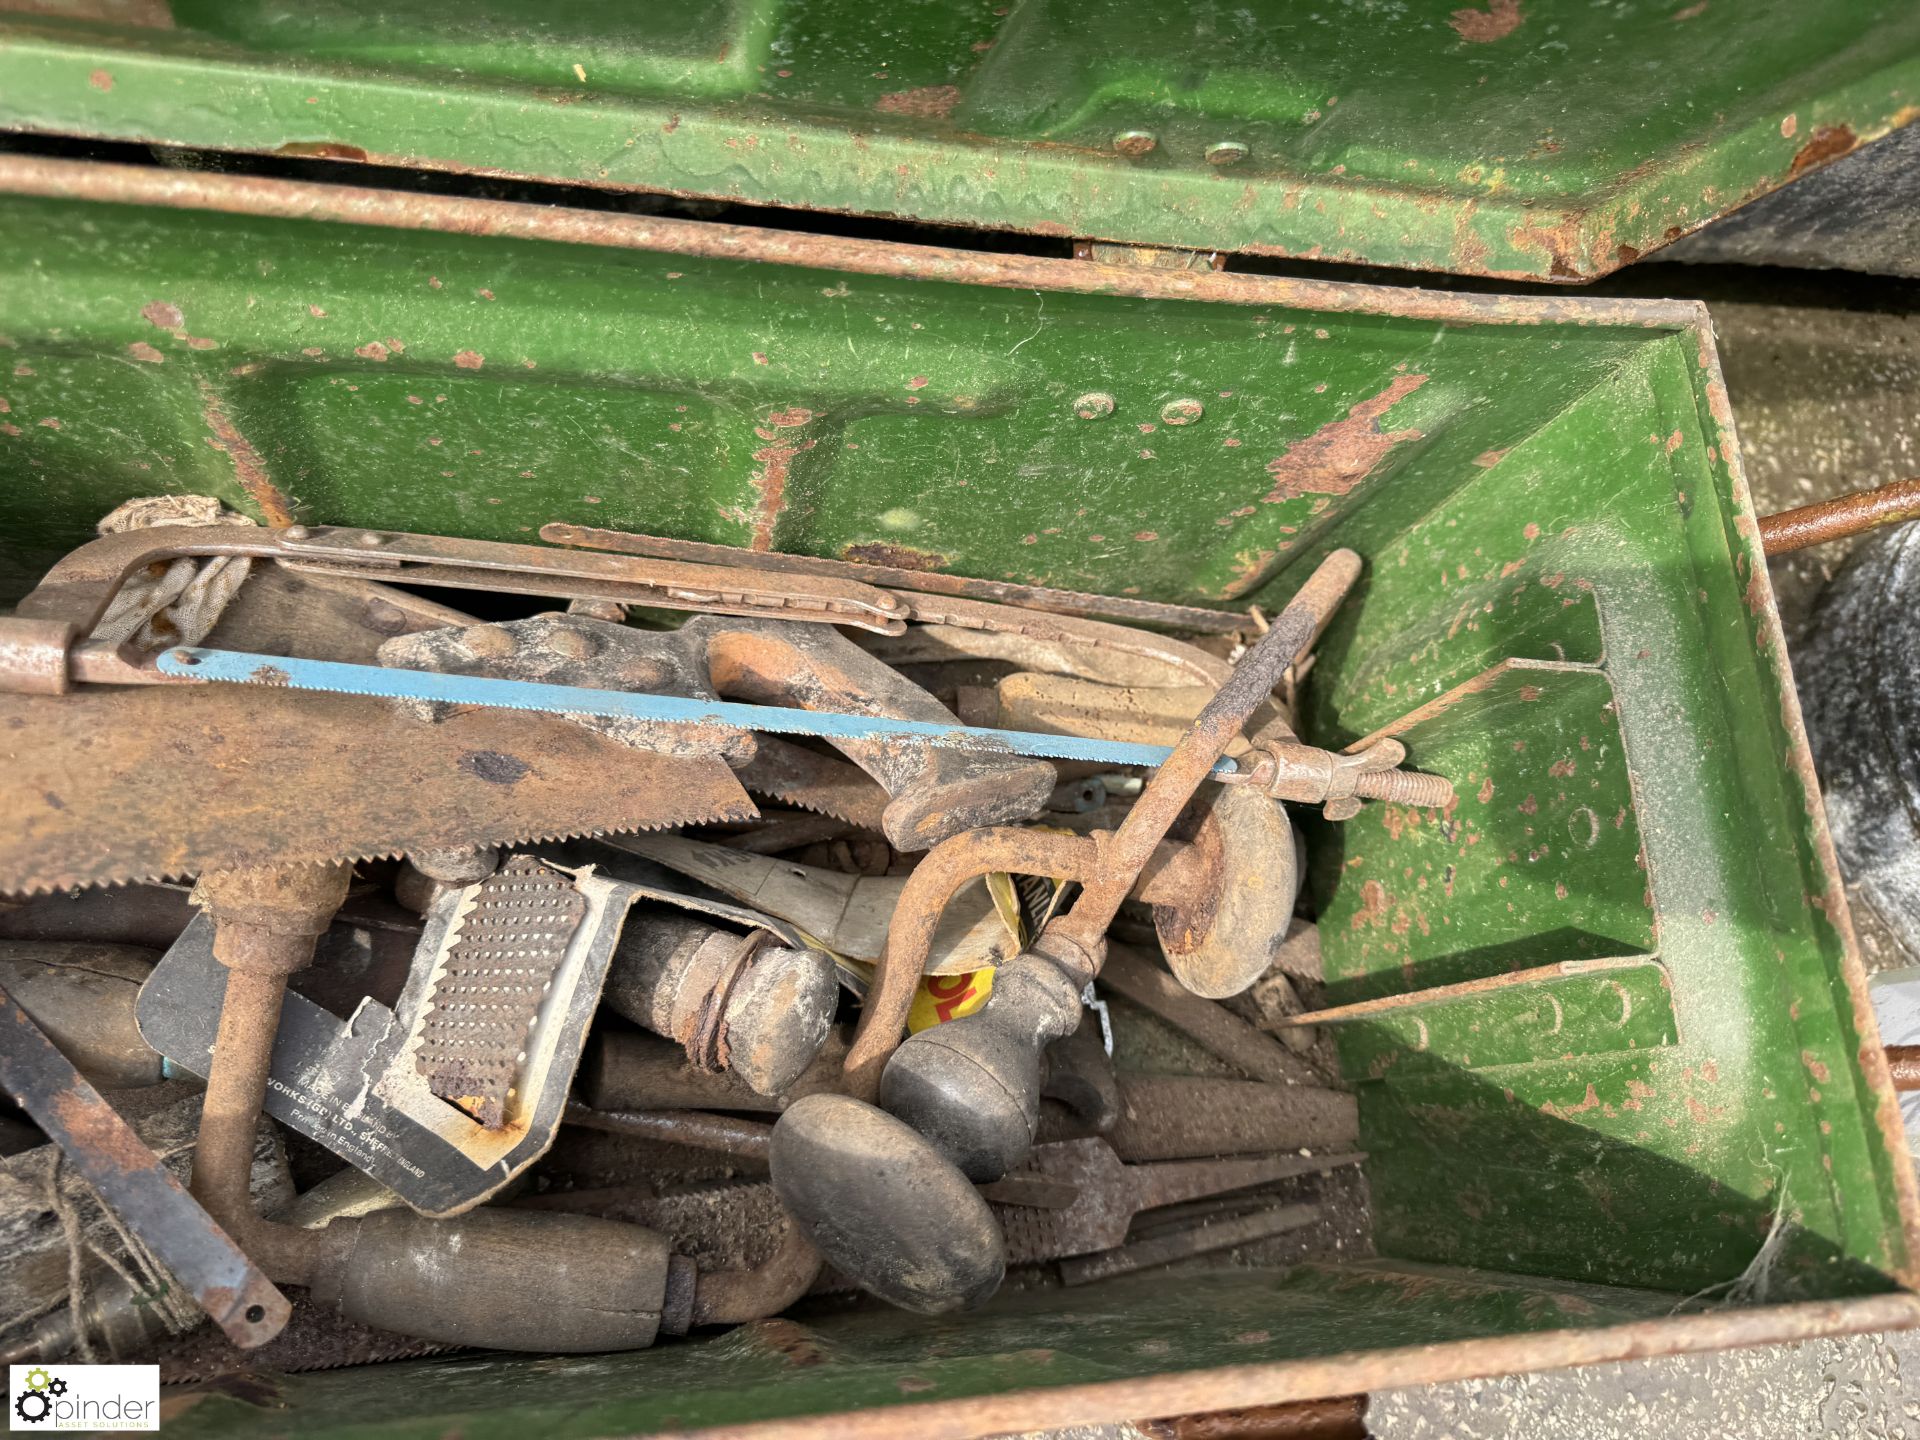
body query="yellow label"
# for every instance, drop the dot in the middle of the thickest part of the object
(947, 997)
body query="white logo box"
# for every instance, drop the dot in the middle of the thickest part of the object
(91, 1398)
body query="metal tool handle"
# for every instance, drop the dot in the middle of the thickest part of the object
(1170, 1182)
(972, 1086)
(1200, 749)
(130, 1180)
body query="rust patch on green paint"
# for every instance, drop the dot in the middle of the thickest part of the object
(1338, 456)
(900, 557)
(1829, 142)
(770, 482)
(163, 316)
(320, 150)
(928, 102)
(1481, 27)
(248, 469)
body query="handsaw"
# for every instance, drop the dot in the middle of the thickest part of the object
(147, 783)
(107, 786)
(189, 663)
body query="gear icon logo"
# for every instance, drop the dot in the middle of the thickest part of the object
(23, 1407)
(35, 1403)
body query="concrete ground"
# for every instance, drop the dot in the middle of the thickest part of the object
(1824, 376)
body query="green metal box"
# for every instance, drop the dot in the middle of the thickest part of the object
(1531, 139)
(1604, 1015)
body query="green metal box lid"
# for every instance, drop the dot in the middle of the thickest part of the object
(1526, 139)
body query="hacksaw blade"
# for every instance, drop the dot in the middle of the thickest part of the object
(114, 785)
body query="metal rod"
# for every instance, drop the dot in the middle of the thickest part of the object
(1199, 752)
(1031, 597)
(748, 1139)
(1839, 517)
(132, 1182)
(916, 919)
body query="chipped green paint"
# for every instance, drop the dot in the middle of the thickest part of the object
(484, 388)
(1563, 592)
(1528, 139)
(1636, 805)
(879, 1360)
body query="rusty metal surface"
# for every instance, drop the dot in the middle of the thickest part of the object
(1111, 1193)
(1228, 915)
(701, 1129)
(33, 655)
(1343, 1418)
(131, 1181)
(537, 570)
(1218, 1030)
(1035, 1191)
(953, 626)
(1836, 519)
(799, 776)
(315, 1339)
(1305, 138)
(931, 582)
(1199, 1238)
(583, 653)
(1178, 1117)
(77, 589)
(1305, 774)
(1219, 721)
(409, 210)
(165, 781)
(1755, 715)
(935, 792)
(1260, 1384)
(1107, 866)
(511, 935)
(916, 919)
(266, 924)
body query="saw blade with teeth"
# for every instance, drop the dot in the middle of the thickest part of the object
(795, 775)
(105, 786)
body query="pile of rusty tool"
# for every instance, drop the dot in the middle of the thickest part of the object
(383, 977)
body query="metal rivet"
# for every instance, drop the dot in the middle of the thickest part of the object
(1227, 152)
(294, 532)
(1181, 412)
(1094, 405)
(1135, 143)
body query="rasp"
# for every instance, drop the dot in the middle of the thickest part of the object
(497, 964)
(198, 663)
